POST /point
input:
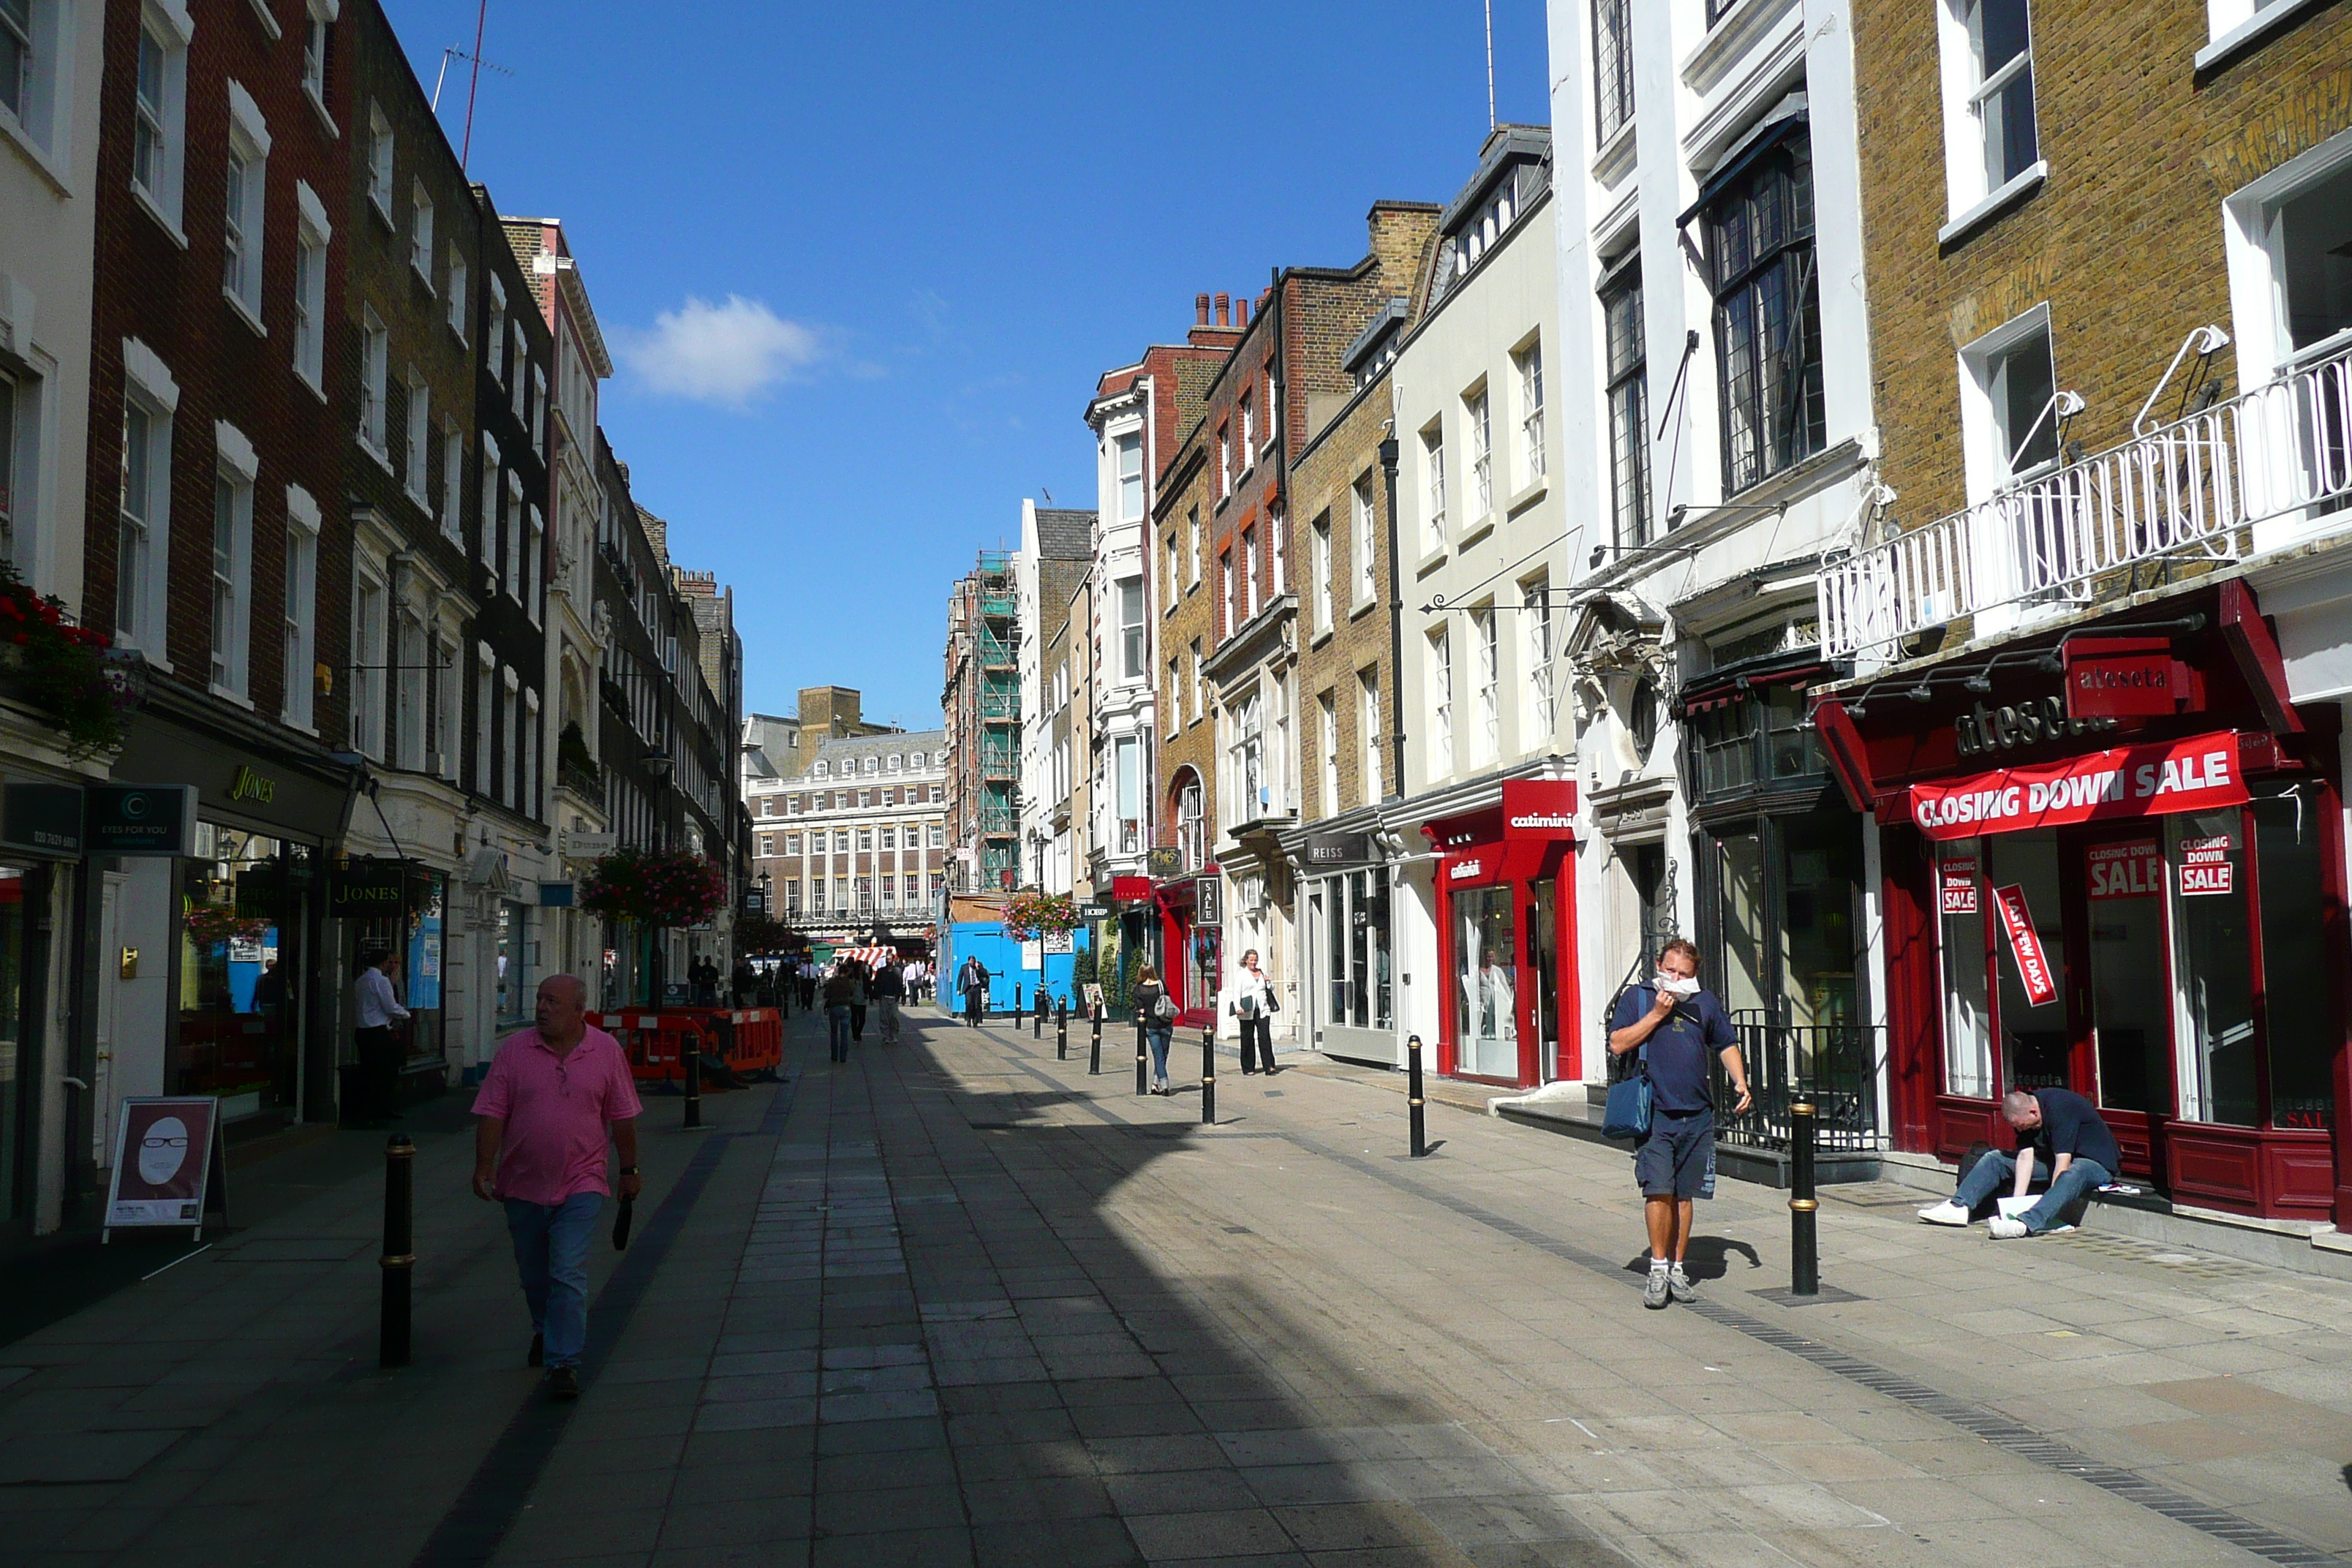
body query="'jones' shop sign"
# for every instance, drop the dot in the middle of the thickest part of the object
(365, 887)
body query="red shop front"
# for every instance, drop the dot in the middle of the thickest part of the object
(1506, 936)
(2113, 862)
(1190, 946)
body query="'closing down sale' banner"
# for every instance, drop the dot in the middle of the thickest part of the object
(2195, 775)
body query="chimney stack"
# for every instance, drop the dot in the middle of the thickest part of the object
(1225, 308)
(1200, 310)
(1241, 313)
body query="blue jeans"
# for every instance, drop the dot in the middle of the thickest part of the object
(1158, 1041)
(550, 1246)
(1997, 1172)
(836, 1023)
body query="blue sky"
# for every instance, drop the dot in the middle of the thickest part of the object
(863, 263)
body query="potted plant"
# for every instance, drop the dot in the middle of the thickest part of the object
(56, 668)
(670, 888)
(1028, 915)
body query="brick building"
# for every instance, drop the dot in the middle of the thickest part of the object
(219, 369)
(2111, 322)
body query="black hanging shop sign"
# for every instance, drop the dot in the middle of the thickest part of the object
(44, 819)
(367, 886)
(1339, 848)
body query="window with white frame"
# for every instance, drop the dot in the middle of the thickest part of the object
(20, 400)
(143, 534)
(1768, 321)
(1168, 599)
(1196, 680)
(1367, 733)
(380, 148)
(420, 231)
(1224, 461)
(510, 540)
(537, 408)
(312, 234)
(1249, 431)
(1433, 477)
(1278, 571)
(369, 654)
(300, 617)
(408, 693)
(1529, 363)
(446, 698)
(2290, 236)
(1191, 831)
(1131, 653)
(534, 547)
(417, 438)
(159, 110)
(1327, 746)
(1535, 610)
(1130, 478)
(375, 386)
(1612, 66)
(32, 36)
(232, 560)
(486, 715)
(1441, 705)
(528, 744)
(1249, 571)
(1318, 567)
(493, 486)
(19, 62)
(1245, 762)
(1479, 436)
(457, 301)
(1629, 407)
(2008, 403)
(1486, 676)
(1988, 122)
(245, 177)
(453, 477)
(317, 42)
(510, 739)
(494, 339)
(1225, 592)
(1359, 506)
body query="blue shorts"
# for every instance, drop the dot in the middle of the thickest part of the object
(1672, 1161)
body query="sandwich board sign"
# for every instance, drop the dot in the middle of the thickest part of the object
(169, 1163)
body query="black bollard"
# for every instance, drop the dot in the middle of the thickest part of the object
(1208, 1075)
(399, 1260)
(692, 1047)
(1061, 1029)
(1016, 1004)
(1094, 1051)
(1804, 1209)
(1412, 1096)
(1038, 1017)
(1140, 1048)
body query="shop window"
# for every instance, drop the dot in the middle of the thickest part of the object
(517, 951)
(21, 887)
(2034, 1034)
(1356, 951)
(2123, 896)
(1486, 982)
(2213, 964)
(241, 902)
(1968, 1014)
(2302, 1037)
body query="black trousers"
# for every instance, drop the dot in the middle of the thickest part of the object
(1258, 1031)
(378, 1073)
(856, 1020)
(974, 1000)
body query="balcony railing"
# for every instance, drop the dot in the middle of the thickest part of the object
(2196, 487)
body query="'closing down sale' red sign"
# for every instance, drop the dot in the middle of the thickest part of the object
(2195, 775)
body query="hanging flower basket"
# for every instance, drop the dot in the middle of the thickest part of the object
(210, 924)
(56, 668)
(670, 888)
(1034, 914)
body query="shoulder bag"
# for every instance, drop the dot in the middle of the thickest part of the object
(1627, 1114)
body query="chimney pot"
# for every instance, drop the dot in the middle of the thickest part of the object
(1225, 308)
(1241, 313)
(1200, 310)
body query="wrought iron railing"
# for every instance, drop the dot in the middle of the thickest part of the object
(1835, 1066)
(2194, 487)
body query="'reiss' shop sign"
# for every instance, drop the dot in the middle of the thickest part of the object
(2193, 775)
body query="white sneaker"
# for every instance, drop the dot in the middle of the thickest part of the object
(1945, 1212)
(2006, 1229)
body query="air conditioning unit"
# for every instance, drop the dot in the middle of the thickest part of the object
(436, 764)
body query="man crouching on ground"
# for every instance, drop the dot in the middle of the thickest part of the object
(1680, 1023)
(2074, 1143)
(555, 1095)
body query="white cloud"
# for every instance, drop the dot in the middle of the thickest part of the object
(726, 353)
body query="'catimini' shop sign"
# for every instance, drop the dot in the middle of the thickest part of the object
(2194, 774)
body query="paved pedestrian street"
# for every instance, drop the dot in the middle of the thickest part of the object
(958, 1303)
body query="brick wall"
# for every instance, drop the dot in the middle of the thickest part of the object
(1330, 663)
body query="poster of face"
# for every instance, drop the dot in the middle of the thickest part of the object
(162, 1155)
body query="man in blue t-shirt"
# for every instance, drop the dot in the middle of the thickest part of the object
(1679, 1024)
(2056, 1127)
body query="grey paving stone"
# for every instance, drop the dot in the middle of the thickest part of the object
(878, 1436)
(878, 1510)
(745, 1414)
(1224, 1534)
(738, 1521)
(1180, 1491)
(1062, 1543)
(880, 1404)
(900, 1549)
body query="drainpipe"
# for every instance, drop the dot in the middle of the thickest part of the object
(1396, 611)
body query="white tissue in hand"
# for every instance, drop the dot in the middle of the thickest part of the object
(1677, 985)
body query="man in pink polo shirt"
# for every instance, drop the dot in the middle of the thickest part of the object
(545, 1106)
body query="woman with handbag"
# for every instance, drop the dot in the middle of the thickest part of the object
(1158, 1022)
(1254, 1006)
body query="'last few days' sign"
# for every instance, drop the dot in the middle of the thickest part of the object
(2195, 775)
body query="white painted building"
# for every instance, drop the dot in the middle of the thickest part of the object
(1119, 728)
(1714, 378)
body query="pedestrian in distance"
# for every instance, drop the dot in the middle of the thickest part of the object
(838, 991)
(973, 981)
(889, 989)
(2068, 1137)
(860, 999)
(1157, 1010)
(1254, 1006)
(556, 1096)
(808, 983)
(1675, 1025)
(379, 1053)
